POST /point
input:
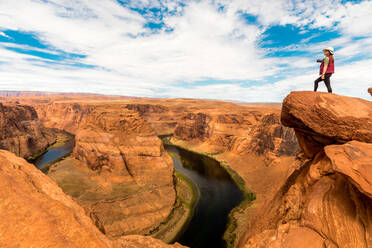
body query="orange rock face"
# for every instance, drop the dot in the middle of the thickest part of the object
(36, 213)
(326, 119)
(370, 91)
(249, 138)
(326, 201)
(135, 241)
(119, 171)
(354, 161)
(238, 133)
(21, 131)
(137, 171)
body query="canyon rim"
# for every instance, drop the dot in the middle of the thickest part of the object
(301, 171)
(186, 124)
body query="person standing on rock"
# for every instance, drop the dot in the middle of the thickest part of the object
(327, 68)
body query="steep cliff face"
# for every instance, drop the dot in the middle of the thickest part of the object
(162, 119)
(63, 115)
(268, 137)
(21, 131)
(219, 127)
(239, 133)
(119, 171)
(193, 126)
(326, 201)
(36, 213)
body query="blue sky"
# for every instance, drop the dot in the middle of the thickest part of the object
(241, 50)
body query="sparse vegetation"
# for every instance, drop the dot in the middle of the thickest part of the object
(231, 234)
(171, 228)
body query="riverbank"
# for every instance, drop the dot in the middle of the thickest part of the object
(56, 152)
(187, 195)
(236, 219)
(61, 139)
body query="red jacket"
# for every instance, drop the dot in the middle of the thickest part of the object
(330, 68)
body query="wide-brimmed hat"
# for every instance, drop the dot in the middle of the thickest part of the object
(330, 49)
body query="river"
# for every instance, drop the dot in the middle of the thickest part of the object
(55, 152)
(218, 192)
(218, 196)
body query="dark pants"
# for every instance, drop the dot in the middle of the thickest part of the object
(326, 80)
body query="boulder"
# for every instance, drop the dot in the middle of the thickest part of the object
(322, 119)
(333, 117)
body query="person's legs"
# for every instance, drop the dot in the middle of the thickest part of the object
(327, 82)
(316, 83)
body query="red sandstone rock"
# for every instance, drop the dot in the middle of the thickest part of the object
(322, 119)
(135, 241)
(239, 133)
(370, 91)
(329, 194)
(193, 126)
(354, 160)
(36, 213)
(21, 131)
(247, 137)
(120, 173)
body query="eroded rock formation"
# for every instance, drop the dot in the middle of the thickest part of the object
(238, 133)
(163, 119)
(326, 201)
(323, 119)
(370, 91)
(119, 171)
(21, 131)
(135, 241)
(36, 213)
(193, 126)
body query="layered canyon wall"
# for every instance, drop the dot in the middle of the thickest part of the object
(119, 171)
(247, 138)
(326, 200)
(36, 213)
(21, 131)
(219, 127)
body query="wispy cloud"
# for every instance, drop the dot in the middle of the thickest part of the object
(121, 52)
(4, 35)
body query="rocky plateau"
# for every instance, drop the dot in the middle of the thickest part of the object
(307, 161)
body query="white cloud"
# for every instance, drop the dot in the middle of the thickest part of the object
(351, 80)
(206, 44)
(4, 35)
